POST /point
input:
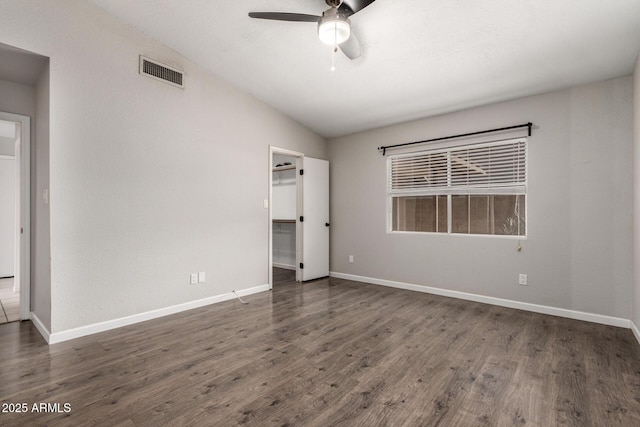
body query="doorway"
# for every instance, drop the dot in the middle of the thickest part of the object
(14, 217)
(298, 216)
(283, 207)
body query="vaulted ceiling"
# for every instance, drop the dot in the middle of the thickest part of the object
(419, 57)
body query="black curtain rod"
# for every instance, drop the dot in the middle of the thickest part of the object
(384, 148)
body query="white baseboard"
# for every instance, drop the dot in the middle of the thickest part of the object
(94, 328)
(543, 309)
(285, 266)
(57, 337)
(40, 327)
(635, 331)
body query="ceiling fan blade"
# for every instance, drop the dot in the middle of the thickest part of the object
(349, 7)
(351, 47)
(282, 16)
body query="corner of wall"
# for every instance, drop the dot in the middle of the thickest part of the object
(635, 304)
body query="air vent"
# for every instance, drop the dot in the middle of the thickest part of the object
(162, 72)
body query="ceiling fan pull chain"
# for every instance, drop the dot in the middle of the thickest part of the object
(333, 58)
(335, 48)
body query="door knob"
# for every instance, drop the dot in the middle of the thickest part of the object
(326, 224)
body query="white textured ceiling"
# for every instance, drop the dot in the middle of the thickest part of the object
(420, 57)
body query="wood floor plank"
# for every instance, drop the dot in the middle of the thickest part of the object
(330, 352)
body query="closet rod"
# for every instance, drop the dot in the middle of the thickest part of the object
(384, 148)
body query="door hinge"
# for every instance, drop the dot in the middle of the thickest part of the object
(301, 265)
(301, 219)
(301, 171)
(21, 230)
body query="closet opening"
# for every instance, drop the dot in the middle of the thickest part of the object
(283, 208)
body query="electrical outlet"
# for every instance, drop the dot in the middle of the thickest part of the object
(350, 259)
(194, 278)
(201, 277)
(522, 279)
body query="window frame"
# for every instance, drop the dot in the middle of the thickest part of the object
(479, 191)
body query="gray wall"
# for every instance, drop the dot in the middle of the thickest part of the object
(148, 182)
(7, 146)
(40, 232)
(636, 195)
(17, 98)
(578, 251)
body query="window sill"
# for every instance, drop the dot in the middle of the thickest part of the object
(484, 236)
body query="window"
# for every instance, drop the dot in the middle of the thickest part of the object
(469, 189)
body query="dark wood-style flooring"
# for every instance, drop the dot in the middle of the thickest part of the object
(327, 353)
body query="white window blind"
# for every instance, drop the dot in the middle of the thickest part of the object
(496, 168)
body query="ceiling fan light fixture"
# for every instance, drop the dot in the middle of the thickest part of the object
(333, 30)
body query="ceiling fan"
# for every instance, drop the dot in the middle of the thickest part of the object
(334, 26)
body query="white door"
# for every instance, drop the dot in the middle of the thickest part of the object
(313, 218)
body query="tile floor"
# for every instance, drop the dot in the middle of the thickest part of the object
(9, 302)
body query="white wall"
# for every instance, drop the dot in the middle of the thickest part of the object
(284, 194)
(578, 251)
(636, 196)
(148, 182)
(7, 216)
(284, 245)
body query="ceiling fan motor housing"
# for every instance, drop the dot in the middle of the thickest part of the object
(334, 27)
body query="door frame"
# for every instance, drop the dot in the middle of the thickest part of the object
(23, 254)
(277, 150)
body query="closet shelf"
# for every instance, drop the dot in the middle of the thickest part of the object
(284, 168)
(284, 221)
